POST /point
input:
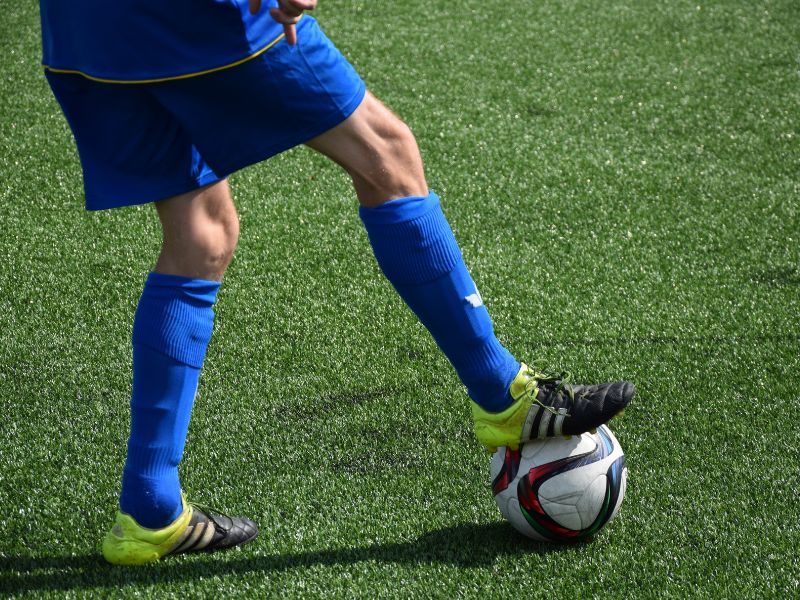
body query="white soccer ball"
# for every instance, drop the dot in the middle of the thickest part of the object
(560, 489)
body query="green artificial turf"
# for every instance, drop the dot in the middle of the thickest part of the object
(624, 179)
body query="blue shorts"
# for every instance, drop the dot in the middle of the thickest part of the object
(140, 143)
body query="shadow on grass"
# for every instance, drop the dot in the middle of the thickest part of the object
(778, 276)
(466, 545)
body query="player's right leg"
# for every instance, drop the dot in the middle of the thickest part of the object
(134, 151)
(171, 331)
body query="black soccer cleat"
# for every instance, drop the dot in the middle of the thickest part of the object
(197, 529)
(547, 406)
(587, 406)
(209, 530)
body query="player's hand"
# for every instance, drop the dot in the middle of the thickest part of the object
(287, 13)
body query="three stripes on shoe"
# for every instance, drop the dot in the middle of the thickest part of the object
(540, 423)
(198, 535)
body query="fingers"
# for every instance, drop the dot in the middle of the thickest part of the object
(298, 5)
(288, 13)
(293, 8)
(291, 34)
(289, 7)
(288, 24)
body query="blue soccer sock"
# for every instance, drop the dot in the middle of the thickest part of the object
(171, 331)
(418, 253)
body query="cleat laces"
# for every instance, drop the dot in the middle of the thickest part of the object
(560, 381)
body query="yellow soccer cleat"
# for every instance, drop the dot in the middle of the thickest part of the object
(195, 530)
(547, 406)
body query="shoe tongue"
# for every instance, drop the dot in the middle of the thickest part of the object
(517, 387)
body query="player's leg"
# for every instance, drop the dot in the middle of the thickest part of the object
(133, 151)
(416, 249)
(171, 331)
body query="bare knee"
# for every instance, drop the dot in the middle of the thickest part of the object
(201, 231)
(379, 152)
(389, 164)
(396, 161)
(213, 241)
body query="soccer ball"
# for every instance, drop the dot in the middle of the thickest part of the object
(560, 489)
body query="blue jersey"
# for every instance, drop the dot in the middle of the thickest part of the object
(146, 40)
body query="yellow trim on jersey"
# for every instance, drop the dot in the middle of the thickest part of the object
(173, 77)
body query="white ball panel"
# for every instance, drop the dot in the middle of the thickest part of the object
(623, 485)
(590, 503)
(540, 452)
(568, 487)
(503, 500)
(497, 462)
(565, 515)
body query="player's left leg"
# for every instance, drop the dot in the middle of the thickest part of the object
(418, 253)
(416, 249)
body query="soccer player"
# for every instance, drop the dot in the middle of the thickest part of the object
(165, 101)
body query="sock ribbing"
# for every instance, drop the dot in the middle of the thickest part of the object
(175, 318)
(428, 250)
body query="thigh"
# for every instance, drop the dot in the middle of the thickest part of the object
(272, 102)
(132, 150)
